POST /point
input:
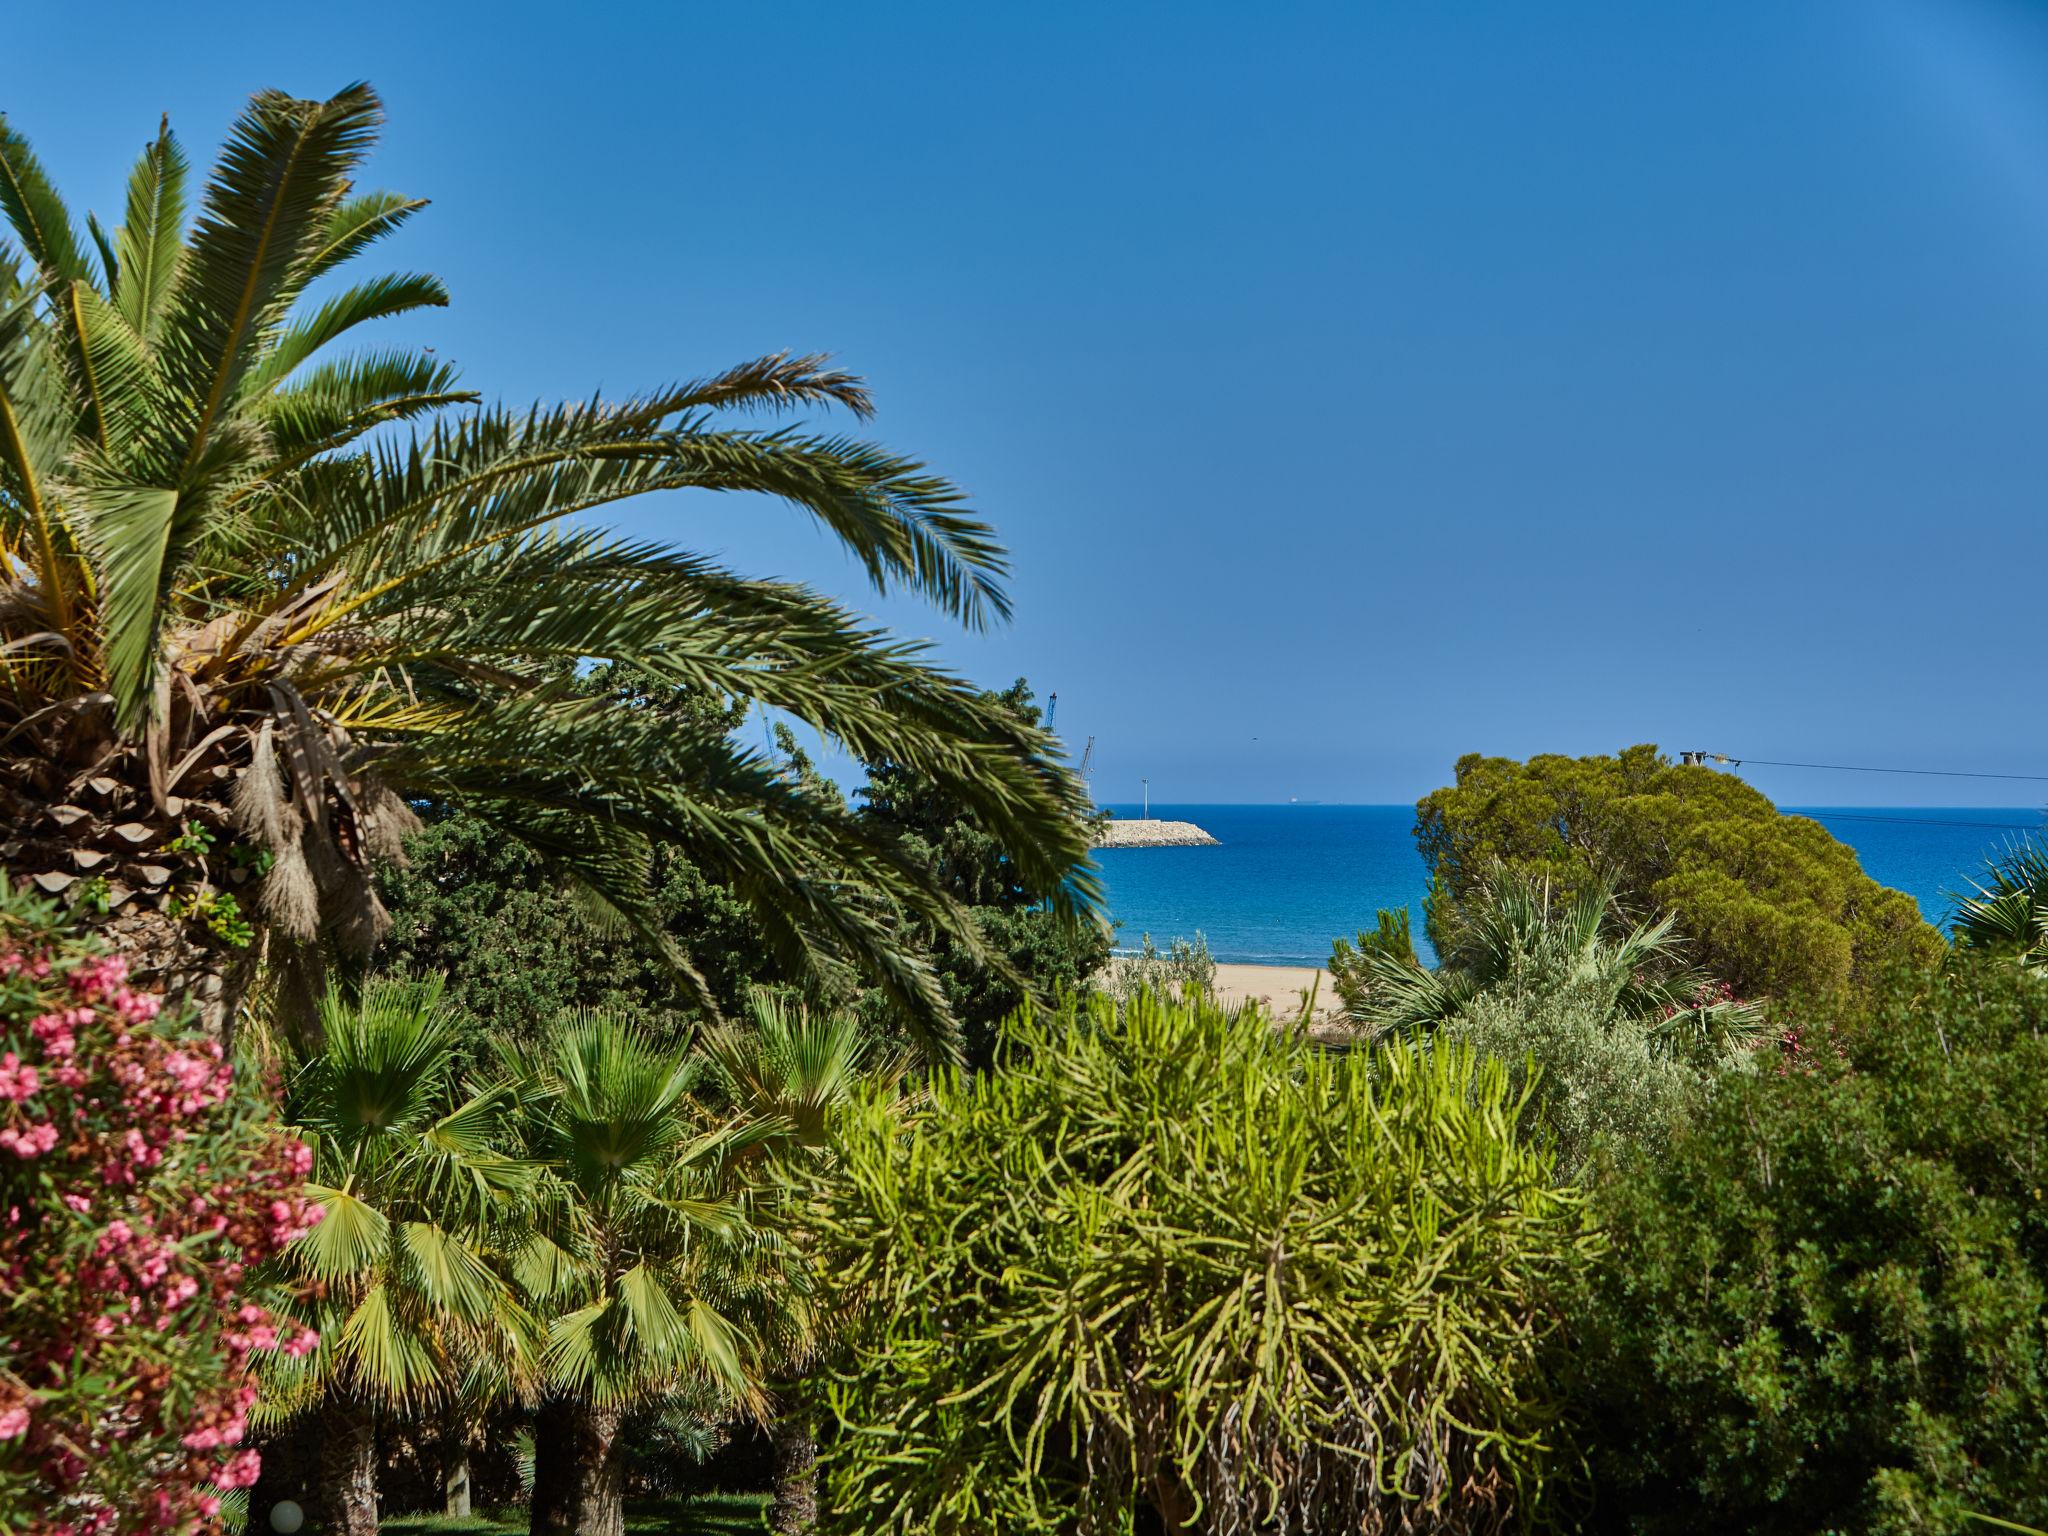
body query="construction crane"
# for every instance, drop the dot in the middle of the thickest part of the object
(1087, 758)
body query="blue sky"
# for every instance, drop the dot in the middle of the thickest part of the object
(1356, 386)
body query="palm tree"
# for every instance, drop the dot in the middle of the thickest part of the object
(796, 1070)
(401, 1278)
(242, 630)
(2007, 910)
(1514, 938)
(644, 1255)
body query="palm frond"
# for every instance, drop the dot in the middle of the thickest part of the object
(357, 223)
(151, 240)
(284, 167)
(378, 299)
(33, 207)
(336, 402)
(2007, 906)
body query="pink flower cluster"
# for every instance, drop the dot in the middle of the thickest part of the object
(144, 1184)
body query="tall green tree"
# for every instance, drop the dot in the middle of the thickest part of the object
(645, 1256)
(241, 630)
(403, 1278)
(800, 1071)
(1772, 904)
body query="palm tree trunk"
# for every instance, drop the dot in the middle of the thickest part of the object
(579, 1478)
(795, 1510)
(455, 1468)
(348, 1469)
(102, 846)
(164, 955)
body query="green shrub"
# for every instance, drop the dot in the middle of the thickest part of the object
(1825, 1311)
(1587, 1073)
(1772, 904)
(1182, 969)
(1177, 1264)
(1352, 970)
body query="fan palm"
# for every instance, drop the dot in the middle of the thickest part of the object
(2007, 909)
(400, 1278)
(241, 627)
(1515, 939)
(796, 1070)
(645, 1255)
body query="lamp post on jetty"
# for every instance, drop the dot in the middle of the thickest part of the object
(1148, 797)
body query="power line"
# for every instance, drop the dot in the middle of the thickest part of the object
(1918, 821)
(1936, 773)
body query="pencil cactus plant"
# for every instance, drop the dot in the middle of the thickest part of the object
(1174, 1261)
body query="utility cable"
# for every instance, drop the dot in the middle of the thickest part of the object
(1918, 821)
(1937, 773)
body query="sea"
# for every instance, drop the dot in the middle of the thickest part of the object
(1287, 879)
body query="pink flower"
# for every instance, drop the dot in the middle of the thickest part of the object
(17, 1081)
(241, 1471)
(14, 1422)
(33, 1142)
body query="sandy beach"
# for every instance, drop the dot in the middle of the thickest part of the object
(1278, 989)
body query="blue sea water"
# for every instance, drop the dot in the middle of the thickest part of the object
(1287, 879)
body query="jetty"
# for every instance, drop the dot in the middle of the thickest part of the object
(1151, 832)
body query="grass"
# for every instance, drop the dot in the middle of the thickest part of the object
(709, 1514)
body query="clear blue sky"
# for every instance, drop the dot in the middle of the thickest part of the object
(1357, 386)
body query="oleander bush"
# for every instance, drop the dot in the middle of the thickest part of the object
(1827, 1308)
(140, 1182)
(1176, 1266)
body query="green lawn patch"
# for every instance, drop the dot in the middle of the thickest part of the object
(710, 1514)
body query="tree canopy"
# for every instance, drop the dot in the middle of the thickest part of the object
(1771, 904)
(229, 602)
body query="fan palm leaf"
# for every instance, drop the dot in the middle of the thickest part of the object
(647, 1229)
(1517, 939)
(2006, 908)
(405, 1277)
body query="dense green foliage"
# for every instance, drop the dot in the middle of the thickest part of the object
(1828, 1305)
(1045, 953)
(1173, 1260)
(1772, 904)
(1587, 1074)
(517, 947)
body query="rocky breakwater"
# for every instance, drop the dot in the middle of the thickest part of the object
(1140, 832)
